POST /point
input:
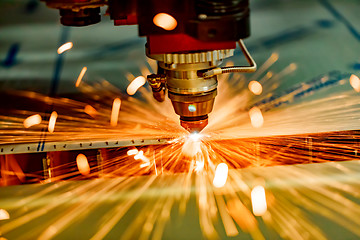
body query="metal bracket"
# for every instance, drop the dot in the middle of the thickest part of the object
(251, 68)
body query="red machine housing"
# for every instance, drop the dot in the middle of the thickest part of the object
(172, 43)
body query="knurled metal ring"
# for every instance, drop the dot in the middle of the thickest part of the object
(198, 57)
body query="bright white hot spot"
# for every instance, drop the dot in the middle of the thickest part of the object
(221, 174)
(258, 200)
(135, 85)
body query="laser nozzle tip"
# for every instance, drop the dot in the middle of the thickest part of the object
(193, 126)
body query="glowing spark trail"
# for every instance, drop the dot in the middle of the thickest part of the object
(4, 215)
(267, 76)
(255, 87)
(115, 112)
(32, 120)
(256, 117)
(91, 111)
(271, 60)
(52, 121)
(221, 174)
(242, 216)
(81, 75)
(258, 200)
(145, 164)
(355, 82)
(135, 85)
(132, 152)
(65, 47)
(83, 164)
(165, 21)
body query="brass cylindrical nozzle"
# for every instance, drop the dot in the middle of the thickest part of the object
(192, 95)
(193, 109)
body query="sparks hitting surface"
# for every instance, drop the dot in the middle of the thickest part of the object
(202, 169)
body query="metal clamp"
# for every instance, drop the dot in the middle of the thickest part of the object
(157, 84)
(156, 81)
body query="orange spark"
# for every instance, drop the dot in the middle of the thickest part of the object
(4, 215)
(256, 117)
(115, 112)
(241, 215)
(65, 47)
(355, 82)
(52, 121)
(81, 75)
(293, 66)
(32, 120)
(258, 200)
(221, 174)
(82, 164)
(255, 87)
(135, 85)
(90, 111)
(165, 21)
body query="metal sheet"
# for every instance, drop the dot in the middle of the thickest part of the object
(76, 145)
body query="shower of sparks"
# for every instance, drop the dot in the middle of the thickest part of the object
(255, 87)
(165, 21)
(258, 200)
(80, 77)
(217, 169)
(135, 85)
(52, 121)
(83, 164)
(221, 174)
(32, 120)
(355, 82)
(115, 112)
(65, 47)
(4, 215)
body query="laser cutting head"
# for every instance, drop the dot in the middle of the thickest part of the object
(191, 80)
(188, 38)
(192, 95)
